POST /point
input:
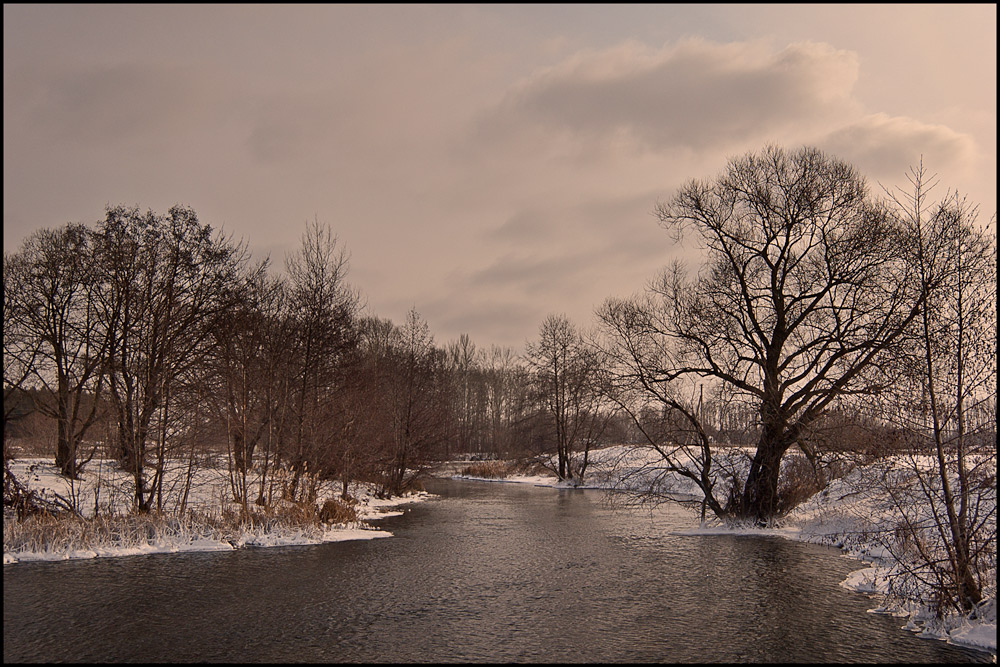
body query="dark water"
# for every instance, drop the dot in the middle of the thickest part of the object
(487, 573)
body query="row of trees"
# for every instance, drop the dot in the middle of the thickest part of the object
(816, 305)
(115, 318)
(161, 340)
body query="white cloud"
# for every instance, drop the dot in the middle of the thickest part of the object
(493, 163)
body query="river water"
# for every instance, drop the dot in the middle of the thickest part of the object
(483, 573)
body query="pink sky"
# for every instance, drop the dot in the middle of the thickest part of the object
(485, 164)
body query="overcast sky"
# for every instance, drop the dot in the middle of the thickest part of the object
(485, 164)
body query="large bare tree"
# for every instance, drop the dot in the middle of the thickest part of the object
(166, 282)
(804, 286)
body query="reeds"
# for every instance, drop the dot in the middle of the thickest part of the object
(65, 534)
(487, 469)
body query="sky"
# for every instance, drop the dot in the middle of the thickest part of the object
(486, 165)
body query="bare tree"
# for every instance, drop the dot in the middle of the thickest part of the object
(324, 308)
(467, 395)
(166, 281)
(51, 285)
(413, 410)
(20, 350)
(948, 398)
(244, 381)
(507, 395)
(803, 289)
(565, 372)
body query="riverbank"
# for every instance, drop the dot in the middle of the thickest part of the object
(849, 514)
(208, 523)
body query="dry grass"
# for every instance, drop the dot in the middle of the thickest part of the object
(45, 532)
(337, 512)
(487, 469)
(59, 533)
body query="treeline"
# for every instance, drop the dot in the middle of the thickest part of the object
(159, 340)
(821, 318)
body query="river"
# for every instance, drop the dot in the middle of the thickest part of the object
(483, 573)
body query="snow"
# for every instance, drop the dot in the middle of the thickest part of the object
(101, 488)
(849, 514)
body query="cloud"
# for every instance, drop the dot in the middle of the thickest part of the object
(529, 273)
(487, 319)
(695, 95)
(121, 104)
(884, 146)
(286, 126)
(568, 257)
(561, 247)
(524, 227)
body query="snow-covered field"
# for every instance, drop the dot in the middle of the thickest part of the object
(850, 514)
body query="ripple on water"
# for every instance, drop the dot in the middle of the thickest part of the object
(487, 573)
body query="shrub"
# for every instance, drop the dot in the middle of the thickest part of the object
(336, 511)
(487, 469)
(799, 482)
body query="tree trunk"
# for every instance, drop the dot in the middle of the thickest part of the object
(65, 454)
(760, 493)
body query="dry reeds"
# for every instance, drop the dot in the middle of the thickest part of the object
(487, 469)
(65, 533)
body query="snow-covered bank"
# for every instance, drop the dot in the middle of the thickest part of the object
(850, 514)
(100, 492)
(179, 543)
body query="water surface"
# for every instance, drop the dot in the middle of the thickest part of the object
(484, 573)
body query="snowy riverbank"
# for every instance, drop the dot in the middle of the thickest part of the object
(849, 514)
(101, 489)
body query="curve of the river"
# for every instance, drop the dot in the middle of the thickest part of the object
(483, 573)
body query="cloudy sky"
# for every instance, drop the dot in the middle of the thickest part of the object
(484, 164)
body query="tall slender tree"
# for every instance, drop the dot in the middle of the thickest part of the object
(51, 283)
(948, 396)
(323, 309)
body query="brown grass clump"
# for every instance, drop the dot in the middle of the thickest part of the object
(65, 532)
(337, 512)
(487, 469)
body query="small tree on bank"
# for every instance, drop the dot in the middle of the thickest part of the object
(565, 372)
(945, 402)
